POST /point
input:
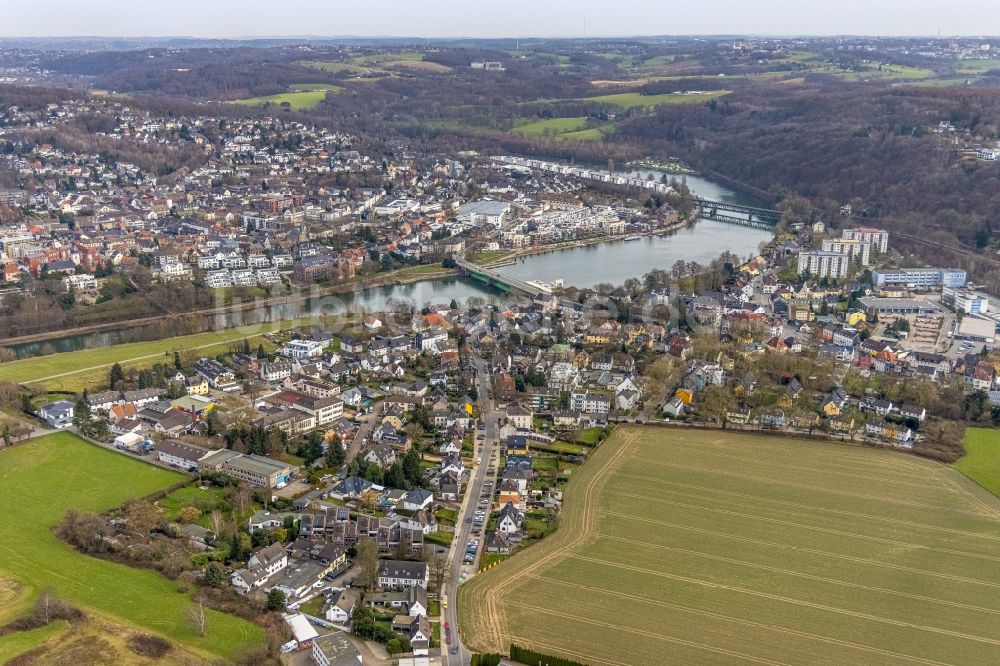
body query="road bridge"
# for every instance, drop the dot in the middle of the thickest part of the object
(498, 280)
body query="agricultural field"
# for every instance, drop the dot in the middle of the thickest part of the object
(633, 99)
(571, 129)
(334, 67)
(679, 546)
(550, 126)
(981, 461)
(39, 482)
(301, 97)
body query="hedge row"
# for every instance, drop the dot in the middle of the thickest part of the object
(526, 656)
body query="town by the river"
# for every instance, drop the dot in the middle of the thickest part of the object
(583, 266)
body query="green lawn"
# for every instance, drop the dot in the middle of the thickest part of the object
(631, 100)
(204, 500)
(440, 538)
(981, 461)
(71, 371)
(314, 606)
(590, 436)
(567, 447)
(13, 645)
(487, 257)
(720, 547)
(39, 481)
(15, 599)
(446, 515)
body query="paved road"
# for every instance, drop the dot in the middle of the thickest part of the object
(481, 473)
(367, 425)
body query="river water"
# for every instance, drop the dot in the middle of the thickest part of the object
(585, 266)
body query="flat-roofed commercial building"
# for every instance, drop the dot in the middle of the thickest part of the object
(256, 470)
(920, 278)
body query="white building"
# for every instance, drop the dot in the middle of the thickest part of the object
(590, 403)
(824, 264)
(879, 238)
(398, 574)
(302, 349)
(855, 249)
(966, 301)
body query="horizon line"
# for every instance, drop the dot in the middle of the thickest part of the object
(516, 37)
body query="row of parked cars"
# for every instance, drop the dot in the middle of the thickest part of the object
(471, 550)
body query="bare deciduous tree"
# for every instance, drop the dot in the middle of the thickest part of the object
(197, 617)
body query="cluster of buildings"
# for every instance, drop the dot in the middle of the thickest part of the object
(838, 255)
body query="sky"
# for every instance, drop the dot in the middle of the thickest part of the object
(496, 18)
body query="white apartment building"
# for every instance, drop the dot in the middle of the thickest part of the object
(879, 238)
(824, 264)
(855, 249)
(590, 403)
(218, 279)
(302, 349)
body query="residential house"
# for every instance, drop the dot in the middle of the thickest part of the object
(58, 414)
(399, 574)
(509, 519)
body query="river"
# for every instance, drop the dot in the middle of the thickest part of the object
(585, 266)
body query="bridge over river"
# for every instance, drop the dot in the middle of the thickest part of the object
(747, 216)
(498, 280)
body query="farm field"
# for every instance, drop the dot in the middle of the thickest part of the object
(302, 97)
(550, 126)
(679, 546)
(981, 461)
(38, 483)
(631, 100)
(569, 129)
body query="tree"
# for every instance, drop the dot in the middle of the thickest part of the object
(197, 617)
(81, 415)
(276, 600)
(437, 568)
(213, 423)
(217, 521)
(214, 575)
(373, 473)
(240, 547)
(241, 499)
(311, 447)
(116, 376)
(177, 361)
(396, 477)
(367, 561)
(188, 514)
(335, 455)
(142, 516)
(411, 468)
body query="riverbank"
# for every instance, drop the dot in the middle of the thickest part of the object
(403, 276)
(584, 242)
